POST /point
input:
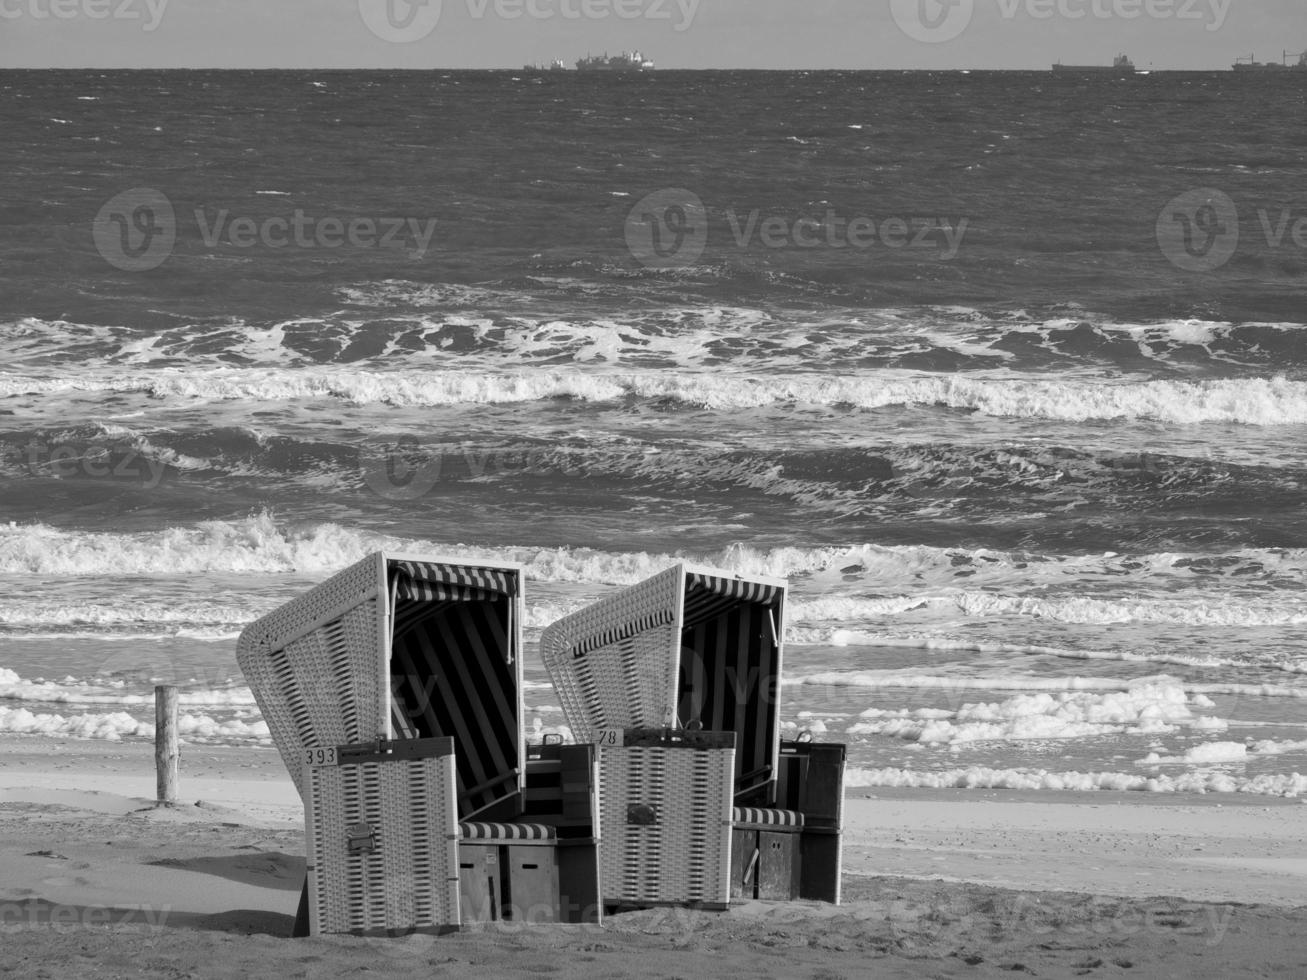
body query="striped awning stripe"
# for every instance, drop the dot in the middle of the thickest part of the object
(433, 581)
(663, 617)
(507, 831)
(735, 588)
(707, 597)
(758, 817)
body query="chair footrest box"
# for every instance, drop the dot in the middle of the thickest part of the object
(665, 816)
(508, 872)
(380, 823)
(811, 781)
(766, 854)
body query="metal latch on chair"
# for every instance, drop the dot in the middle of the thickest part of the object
(641, 815)
(362, 839)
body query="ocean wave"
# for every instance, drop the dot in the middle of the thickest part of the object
(1250, 401)
(117, 691)
(980, 777)
(41, 612)
(955, 684)
(918, 640)
(260, 544)
(941, 480)
(1156, 707)
(116, 725)
(1186, 610)
(548, 321)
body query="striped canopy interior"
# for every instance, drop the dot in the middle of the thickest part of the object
(426, 581)
(452, 672)
(730, 667)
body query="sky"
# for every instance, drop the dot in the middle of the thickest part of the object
(780, 34)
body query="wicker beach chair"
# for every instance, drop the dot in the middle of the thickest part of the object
(697, 649)
(401, 649)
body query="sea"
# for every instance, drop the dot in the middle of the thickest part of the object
(1006, 372)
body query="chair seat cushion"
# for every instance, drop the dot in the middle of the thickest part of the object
(751, 816)
(507, 831)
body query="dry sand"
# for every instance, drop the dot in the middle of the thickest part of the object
(97, 883)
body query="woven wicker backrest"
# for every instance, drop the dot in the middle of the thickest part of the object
(687, 645)
(312, 665)
(614, 662)
(398, 647)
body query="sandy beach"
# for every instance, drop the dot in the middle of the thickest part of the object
(98, 883)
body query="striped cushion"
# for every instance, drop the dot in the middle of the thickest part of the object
(506, 831)
(759, 817)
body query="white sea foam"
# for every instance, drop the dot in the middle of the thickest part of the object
(117, 725)
(979, 777)
(37, 611)
(1253, 401)
(1224, 753)
(1158, 707)
(113, 690)
(879, 679)
(260, 545)
(1184, 610)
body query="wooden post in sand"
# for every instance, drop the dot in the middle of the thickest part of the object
(166, 747)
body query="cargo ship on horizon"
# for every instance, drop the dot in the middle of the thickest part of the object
(1252, 64)
(625, 61)
(1121, 66)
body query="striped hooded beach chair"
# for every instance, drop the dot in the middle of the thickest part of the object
(695, 654)
(394, 653)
